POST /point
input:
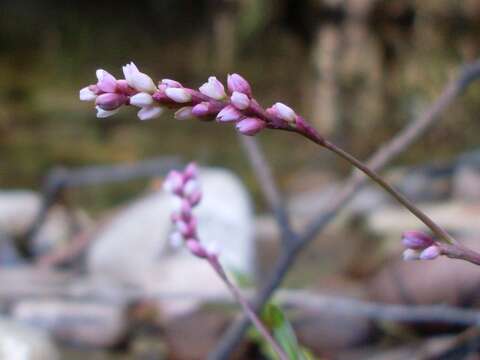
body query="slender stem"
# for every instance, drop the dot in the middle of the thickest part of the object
(437, 230)
(213, 260)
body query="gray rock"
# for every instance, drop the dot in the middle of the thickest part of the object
(76, 323)
(466, 183)
(22, 342)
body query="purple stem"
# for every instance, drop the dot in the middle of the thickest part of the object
(213, 261)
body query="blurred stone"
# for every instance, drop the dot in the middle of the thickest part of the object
(83, 324)
(323, 332)
(18, 209)
(22, 342)
(466, 184)
(194, 335)
(425, 183)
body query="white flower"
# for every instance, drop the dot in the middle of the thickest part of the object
(141, 99)
(149, 112)
(105, 113)
(284, 112)
(240, 100)
(138, 80)
(213, 88)
(179, 95)
(87, 95)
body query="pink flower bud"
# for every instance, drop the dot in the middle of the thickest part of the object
(195, 197)
(186, 209)
(110, 101)
(213, 88)
(141, 99)
(184, 113)
(201, 109)
(430, 253)
(87, 95)
(179, 95)
(190, 187)
(105, 113)
(124, 88)
(196, 248)
(250, 126)
(191, 171)
(416, 240)
(410, 254)
(106, 81)
(240, 100)
(173, 182)
(171, 83)
(149, 112)
(237, 83)
(284, 112)
(137, 79)
(229, 113)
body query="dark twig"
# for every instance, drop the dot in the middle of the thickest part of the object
(382, 157)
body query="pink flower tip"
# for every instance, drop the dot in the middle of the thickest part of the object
(430, 253)
(106, 81)
(196, 248)
(250, 126)
(229, 113)
(235, 82)
(416, 240)
(201, 109)
(240, 100)
(213, 89)
(284, 112)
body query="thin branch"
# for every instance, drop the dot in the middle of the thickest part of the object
(263, 172)
(382, 157)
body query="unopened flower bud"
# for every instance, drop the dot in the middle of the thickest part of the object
(284, 112)
(184, 113)
(416, 240)
(106, 81)
(149, 112)
(110, 101)
(195, 197)
(213, 88)
(87, 95)
(240, 100)
(171, 83)
(229, 113)
(196, 248)
(137, 79)
(191, 171)
(173, 182)
(237, 83)
(410, 254)
(141, 99)
(250, 126)
(179, 95)
(201, 109)
(190, 187)
(101, 113)
(430, 253)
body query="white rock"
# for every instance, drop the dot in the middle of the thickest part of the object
(18, 209)
(21, 342)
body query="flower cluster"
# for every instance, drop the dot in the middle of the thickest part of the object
(211, 101)
(420, 246)
(185, 187)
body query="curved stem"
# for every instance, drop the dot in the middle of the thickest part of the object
(436, 229)
(213, 260)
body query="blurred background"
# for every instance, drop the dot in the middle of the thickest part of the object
(358, 70)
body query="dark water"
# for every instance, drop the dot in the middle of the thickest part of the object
(357, 81)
